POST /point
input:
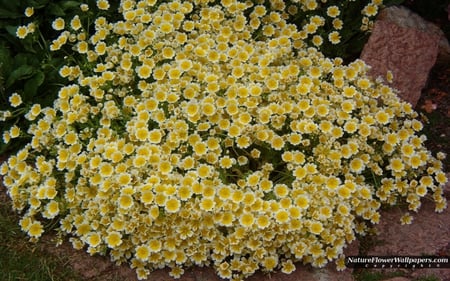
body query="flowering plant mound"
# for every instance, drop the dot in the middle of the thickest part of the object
(184, 141)
(337, 28)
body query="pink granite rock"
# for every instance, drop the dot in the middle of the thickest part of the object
(409, 53)
(402, 16)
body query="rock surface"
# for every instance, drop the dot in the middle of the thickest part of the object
(402, 16)
(408, 52)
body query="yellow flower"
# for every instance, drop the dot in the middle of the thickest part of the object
(224, 192)
(154, 246)
(172, 205)
(126, 201)
(396, 164)
(207, 204)
(106, 169)
(277, 143)
(370, 10)
(113, 239)
(52, 208)
(36, 229)
(147, 197)
(246, 220)
(165, 167)
(22, 32)
(227, 219)
(406, 219)
(155, 136)
(166, 27)
(94, 239)
(282, 216)
(344, 192)
(142, 252)
(203, 171)
(270, 263)
(58, 24)
(302, 201)
(103, 4)
(316, 227)
(382, 117)
(333, 182)
(15, 100)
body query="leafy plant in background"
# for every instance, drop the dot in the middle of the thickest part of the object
(29, 69)
(337, 28)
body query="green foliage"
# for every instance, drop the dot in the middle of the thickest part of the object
(27, 66)
(427, 278)
(367, 275)
(356, 25)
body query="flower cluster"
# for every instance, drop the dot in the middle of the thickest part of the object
(184, 141)
(337, 28)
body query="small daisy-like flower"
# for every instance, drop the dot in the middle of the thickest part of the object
(154, 246)
(270, 263)
(406, 219)
(337, 24)
(344, 192)
(22, 32)
(94, 239)
(382, 117)
(29, 11)
(36, 229)
(172, 205)
(316, 227)
(58, 24)
(15, 100)
(277, 143)
(207, 204)
(52, 209)
(126, 201)
(75, 23)
(103, 4)
(302, 201)
(287, 267)
(282, 216)
(155, 136)
(334, 37)
(396, 165)
(247, 219)
(333, 11)
(370, 10)
(113, 239)
(142, 252)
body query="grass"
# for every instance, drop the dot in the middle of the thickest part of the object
(427, 278)
(366, 275)
(24, 260)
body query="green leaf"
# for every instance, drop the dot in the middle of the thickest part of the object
(393, 2)
(11, 30)
(56, 10)
(38, 4)
(6, 60)
(22, 72)
(32, 85)
(7, 14)
(10, 9)
(68, 5)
